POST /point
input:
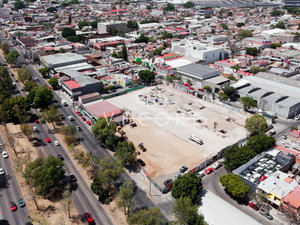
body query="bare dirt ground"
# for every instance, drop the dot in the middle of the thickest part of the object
(166, 117)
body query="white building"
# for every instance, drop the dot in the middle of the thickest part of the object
(196, 49)
(272, 32)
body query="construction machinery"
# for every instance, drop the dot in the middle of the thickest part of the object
(119, 129)
(141, 146)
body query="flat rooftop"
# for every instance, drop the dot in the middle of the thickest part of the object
(103, 109)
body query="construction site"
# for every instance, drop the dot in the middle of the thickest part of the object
(177, 129)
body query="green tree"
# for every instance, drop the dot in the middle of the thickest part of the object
(235, 185)
(77, 38)
(187, 186)
(275, 45)
(44, 174)
(5, 48)
(44, 71)
(260, 143)
(69, 18)
(244, 34)
(125, 153)
(132, 24)
(53, 82)
(254, 69)
(12, 57)
(256, 124)
(280, 25)
(110, 171)
(4, 1)
(142, 39)
(167, 35)
(148, 7)
(61, 50)
(67, 32)
(29, 85)
(42, 96)
(207, 88)
(125, 196)
(240, 24)
(149, 216)
(24, 75)
(228, 90)
(252, 51)
(224, 26)
(19, 5)
(10, 108)
(248, 103)
(103, 129)
(187, 213)
(170, 7)
(188, 5)
(51, 115)
(82, 24)
(51, 9)
(124, 52)
(97, 189)
(276, 13)
(94, 24)
(146, 75)
(235, 67)
(207, 16)
(69, 134)
(6, 82)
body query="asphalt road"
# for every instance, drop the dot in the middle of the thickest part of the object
(11, 194)
(211, 183)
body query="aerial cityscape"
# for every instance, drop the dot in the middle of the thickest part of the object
(179, 112)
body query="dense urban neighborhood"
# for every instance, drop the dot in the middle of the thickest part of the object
(150, 112)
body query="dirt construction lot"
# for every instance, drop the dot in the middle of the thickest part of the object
(166, 117)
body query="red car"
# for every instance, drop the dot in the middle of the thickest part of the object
(88, 122)
(83, 118)
(13, 206)
(208, 171)
(37, 121)
(263, 178)
(48, 140)
(253, 206)
(78, 113)
(89, 218)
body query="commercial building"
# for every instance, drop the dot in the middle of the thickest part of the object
(63, 59)
(198, 50)
(104, 26)
(196, 73)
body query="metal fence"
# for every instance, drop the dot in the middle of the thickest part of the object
(122, 92)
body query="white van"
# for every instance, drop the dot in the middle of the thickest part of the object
(216, 166)
(201, 174)
(64, 103)
(70, 118)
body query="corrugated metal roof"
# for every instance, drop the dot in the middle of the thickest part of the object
(198, 71)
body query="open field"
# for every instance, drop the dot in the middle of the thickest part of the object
(166, 117)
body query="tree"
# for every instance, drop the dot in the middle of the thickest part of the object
(124, 52)
(167, 35)
(224, 26)
(110, 171)
(252, 51)
(132, 24)
(6, 82)
(51, 115)
(82, 24)
(260, 143)
(104, 128)
(44, 173)
(24, 75)
(44, 71)
(149, 216)
(126, 153)
(67, 32)
(43, 96)
(235, 185)
(12, 57)
(53, 82)
(187, 186)
(240, 24)
(275, 45)
(146, 75)
(125, 196)
(293, 128)
(207, 88)
(280, 25)
(12, 141)
(276, 12)
(142, 39)
(188, 5)
(67, 201)
(248, 103)
(170, 7)
(291, 215)
(51, 9)
(27, 130)
(15, 108)
(97, 189)
(94, 24)
(19, 5)
(228, 90)
(229, 13)
(61, 50)
(5, 48)
(187, 213)
(244, 34)
(256, 124)
(254, 69)
(70, 17)
(77, 38)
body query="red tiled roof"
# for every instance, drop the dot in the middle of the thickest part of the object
(103, 109)
(294, 133)
(293, 198)
(72, 84)
(285, 150)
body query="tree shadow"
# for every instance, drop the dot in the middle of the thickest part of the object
(4, 222)
(4, 184)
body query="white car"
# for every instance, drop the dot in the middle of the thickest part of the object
(1, 142)
(56, 143)
(70, 118)
(36, 78)
(2, 172)
(4, 154)
(201, 174)
(297, 117)
(35, 129)
(216, 165)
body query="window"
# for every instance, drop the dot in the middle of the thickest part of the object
(213, 55)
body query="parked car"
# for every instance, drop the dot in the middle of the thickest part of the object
(35, 129)
(265, 214)
(133, 125)
(183, 169)
(284, 136)
(216, 166)
(37, 121)
(141, 162)
(71, 118)
(83, 118)
(263, 178)
(201, 174)
(178, 175)
(209, 170)
(253, 206)
(272, 132)
(89, 218)
(168, 182)
(4, 154)
(88, 123)
(62, 116)
(78, 113)
(297, 117)
(60, 157)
